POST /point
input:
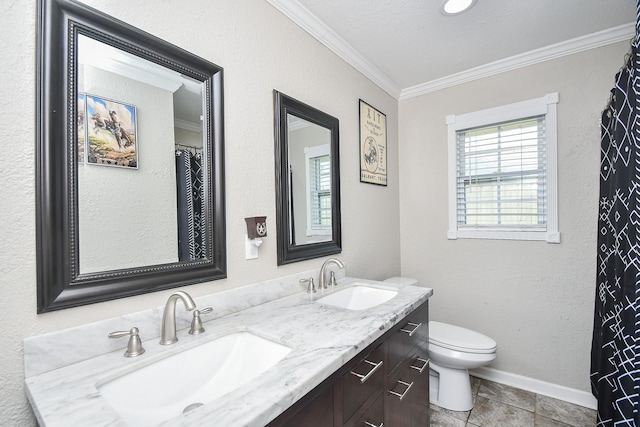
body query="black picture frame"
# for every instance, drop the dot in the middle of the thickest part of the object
(373, 145)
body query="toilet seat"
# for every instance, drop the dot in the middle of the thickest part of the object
(460, 339)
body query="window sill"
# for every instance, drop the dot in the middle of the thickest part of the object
(549, 237)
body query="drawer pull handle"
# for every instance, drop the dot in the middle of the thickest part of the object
(415, 328)
(401, 396)
(368, 424)
(365, 377)
(421, 368)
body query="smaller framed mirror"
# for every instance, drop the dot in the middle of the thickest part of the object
(307, 181)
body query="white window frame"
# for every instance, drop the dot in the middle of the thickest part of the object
(309, 154)
(547, 106)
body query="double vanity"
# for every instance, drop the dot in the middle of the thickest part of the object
(270, 353)
(280, 352)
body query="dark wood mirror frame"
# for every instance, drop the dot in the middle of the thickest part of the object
(288, 252)
(59, 281)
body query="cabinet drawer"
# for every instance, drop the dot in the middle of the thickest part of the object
(362, 381)
(407, 394)
(419, 375)
(374, 417)
(414, 330)
(420, 398)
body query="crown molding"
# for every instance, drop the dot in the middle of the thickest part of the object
(325, 35)
(105, 57)
(296, 123)
(579, 44)
(186, 125)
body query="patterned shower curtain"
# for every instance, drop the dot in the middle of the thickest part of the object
(191, 230)
(615, 351)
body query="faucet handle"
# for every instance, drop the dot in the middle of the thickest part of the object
(134, 346)
(196, 322)
(332, 279)
(311, 287)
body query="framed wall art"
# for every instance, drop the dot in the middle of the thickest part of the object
(373, 145)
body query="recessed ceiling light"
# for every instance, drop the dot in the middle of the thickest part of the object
(454, 7)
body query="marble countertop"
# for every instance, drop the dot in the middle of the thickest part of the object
(322, 339)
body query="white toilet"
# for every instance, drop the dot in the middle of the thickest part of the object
(453, 351)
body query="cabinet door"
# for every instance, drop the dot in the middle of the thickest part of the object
(318, 413)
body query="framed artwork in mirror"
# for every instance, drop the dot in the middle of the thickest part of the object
(110, 132)
(82, 127)
(373, 145)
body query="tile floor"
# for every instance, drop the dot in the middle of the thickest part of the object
(498, 405)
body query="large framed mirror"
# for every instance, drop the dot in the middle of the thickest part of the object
(307, 181)
(129, 161)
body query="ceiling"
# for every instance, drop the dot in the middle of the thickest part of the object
(408, 47)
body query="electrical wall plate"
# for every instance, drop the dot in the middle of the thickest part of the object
(251, 247)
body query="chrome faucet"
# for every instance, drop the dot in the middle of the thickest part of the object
(323, 281)
(168, 335)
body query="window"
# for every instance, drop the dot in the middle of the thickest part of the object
(502, 172)
(318, 163)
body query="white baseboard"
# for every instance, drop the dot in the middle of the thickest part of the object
(556, 391)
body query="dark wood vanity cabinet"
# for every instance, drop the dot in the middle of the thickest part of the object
(406, 398)
(387, 383)
(318, 412)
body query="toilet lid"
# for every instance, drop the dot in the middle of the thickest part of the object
(460, 339)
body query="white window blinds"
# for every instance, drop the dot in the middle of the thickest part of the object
(501, 175)
(503, 179)
(320, 192)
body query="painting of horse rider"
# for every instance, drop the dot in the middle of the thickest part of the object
(111, 132)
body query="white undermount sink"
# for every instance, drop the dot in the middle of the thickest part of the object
(165, 389)
(358, 297)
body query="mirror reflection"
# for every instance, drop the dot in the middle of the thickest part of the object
(140, 144)
(310, 181)
(307, 181)
(130, 161)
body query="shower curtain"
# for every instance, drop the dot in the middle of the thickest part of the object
(615, 351)
(191, 230)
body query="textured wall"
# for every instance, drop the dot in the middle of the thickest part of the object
(535, 299)
(260, 50)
